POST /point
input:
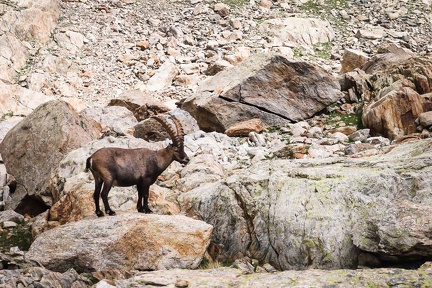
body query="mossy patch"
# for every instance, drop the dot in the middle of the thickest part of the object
(19, 236)
(325, 8)
(328, 10)
(344, 119)
(298, 52)
(235, 3)
(323, 50)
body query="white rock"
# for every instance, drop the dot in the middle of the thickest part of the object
(163, 77)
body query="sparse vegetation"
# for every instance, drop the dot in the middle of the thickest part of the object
(235, 3)
(272, 129)
(323, 50)
(298, 52)
(211, 264)
(329, 10)
(325, 9)
(24, 70)
(6, 115)
(19, 236)
(337, 119)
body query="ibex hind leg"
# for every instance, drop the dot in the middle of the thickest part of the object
(143, 193)
(98, 186)
(105, 190)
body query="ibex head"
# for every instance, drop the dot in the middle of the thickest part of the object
(176, 137)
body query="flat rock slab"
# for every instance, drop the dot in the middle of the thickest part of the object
(129, 241)
(229, 277)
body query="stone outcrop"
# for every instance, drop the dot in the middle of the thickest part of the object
(265, 86)
(35, 146)
(388, 56)
(130, 241)
(298, 31)
(39, 276)
(352, 59)
(113, 120)
(13, 57)
(19, 101)
(281, 208)
(396, 99)
(229, 277)
(33, 20)
(394, 115)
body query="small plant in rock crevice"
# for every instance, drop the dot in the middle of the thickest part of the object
(24, 70)
(19, 236)
(7, 115)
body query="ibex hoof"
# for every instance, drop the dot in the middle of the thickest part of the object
(99, 213)
(142, 210)
(111, 213)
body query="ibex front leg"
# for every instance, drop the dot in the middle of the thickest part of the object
(143, 193)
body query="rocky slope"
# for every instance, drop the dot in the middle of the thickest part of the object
(162, 52)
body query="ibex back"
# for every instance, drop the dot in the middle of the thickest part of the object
(127, 167)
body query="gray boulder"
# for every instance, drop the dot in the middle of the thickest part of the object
(35, 146)
(396, 98)
(41, 277)
(265, 86)
(130, 241)
(320, 213)
(229, 277)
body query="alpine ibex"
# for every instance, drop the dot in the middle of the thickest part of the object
(128, 167)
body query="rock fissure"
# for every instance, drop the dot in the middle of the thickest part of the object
(249, 219)
(263, 109)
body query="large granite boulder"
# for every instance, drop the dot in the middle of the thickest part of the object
(130, 241)
(300, 31)
(33, 20)
(320, 213)
(35, 146)
(265, 86)
(397, 97)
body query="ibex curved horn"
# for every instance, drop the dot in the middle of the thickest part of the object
(180, 132)
(174, 136)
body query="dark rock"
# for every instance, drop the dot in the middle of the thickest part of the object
(265, 86)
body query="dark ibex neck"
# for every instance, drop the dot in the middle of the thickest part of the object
(164, 158)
